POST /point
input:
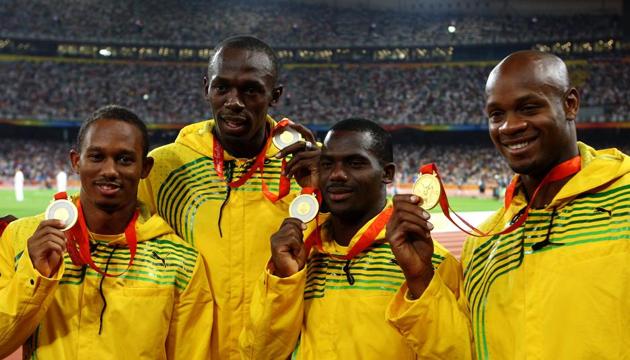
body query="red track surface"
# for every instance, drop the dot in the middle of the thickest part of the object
(452, 240)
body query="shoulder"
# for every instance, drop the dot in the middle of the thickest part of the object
(20, 230)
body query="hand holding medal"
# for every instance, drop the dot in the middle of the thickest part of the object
(409, 234)
(299, 142)
(70, 228)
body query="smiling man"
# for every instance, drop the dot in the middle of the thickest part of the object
(61, 305)
(336, 300)
(219, 184)
(552, 282)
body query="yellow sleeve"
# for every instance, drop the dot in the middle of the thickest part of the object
(145, 194)
(25, 295)
(276, 315)
(190, 329)
(437, 325)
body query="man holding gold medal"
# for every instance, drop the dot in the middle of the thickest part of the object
(348, 298)
(546, 277)
(98, 276)
(224, 185)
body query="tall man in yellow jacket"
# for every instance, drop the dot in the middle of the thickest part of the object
(555, 285)
(160, 307)
(217, 184)
(349, 299)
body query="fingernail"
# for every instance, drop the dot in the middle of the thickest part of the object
(304, 226)
(425, 215)
(430, 226)
(414, 198)
(277, 156)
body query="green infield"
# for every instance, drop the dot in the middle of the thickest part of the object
(35, 201)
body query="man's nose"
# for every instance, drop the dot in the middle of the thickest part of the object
(234, 101)
(513, 123)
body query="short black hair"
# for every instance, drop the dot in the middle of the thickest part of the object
(381, 144)
(115, 112)
(252, 43)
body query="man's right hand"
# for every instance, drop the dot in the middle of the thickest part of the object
(46, 247)
(288, 253)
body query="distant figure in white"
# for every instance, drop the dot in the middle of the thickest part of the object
(62, 181)
(18, 185)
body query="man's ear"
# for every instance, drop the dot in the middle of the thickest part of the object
(74, 160)
(389, 170)
(571, 104)
(147, 165)
(275, 95)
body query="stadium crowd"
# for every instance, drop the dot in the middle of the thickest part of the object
(281, 23)
(463, 165)
(40, 161)
(172, 93)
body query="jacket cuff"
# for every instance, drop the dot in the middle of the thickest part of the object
(403, 309)
(277, 284)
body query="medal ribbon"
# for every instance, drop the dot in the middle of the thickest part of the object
(559, 172)
(259, 164)
(78, 244)
(365, 241)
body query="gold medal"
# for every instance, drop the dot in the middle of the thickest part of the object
(286, 137)
(304, 207)
(428, 188)
(63, 210)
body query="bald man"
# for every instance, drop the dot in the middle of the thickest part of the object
(556, 284)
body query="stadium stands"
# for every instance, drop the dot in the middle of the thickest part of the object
(172, 93)
(281, 23)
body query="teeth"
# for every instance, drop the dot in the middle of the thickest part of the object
(518, 146)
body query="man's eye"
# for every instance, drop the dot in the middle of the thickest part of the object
(95, 157)
(530, 108)
(495, 116)
(219, 88)
(325, 164)
(125, 160)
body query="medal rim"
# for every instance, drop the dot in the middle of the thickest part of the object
(314, 203)
(437, 198)
(279, 144)
(72, 206)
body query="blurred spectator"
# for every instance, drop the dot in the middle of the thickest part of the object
(281, 23)
(450, 94)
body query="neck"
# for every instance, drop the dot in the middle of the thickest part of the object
(548, 191)
(345, 227)
(242, 148)
(105, 222)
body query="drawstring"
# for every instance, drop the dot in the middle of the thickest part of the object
(100, 290)
(539, 245)
(346, 269)
(229, 173)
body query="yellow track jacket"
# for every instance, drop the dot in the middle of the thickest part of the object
(370, 319)
(161, 308)
(230, 227)
(569, 299)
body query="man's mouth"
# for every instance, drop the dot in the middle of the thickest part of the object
(338, 193)
(234, 122)
(108, 188)
(518, 146)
